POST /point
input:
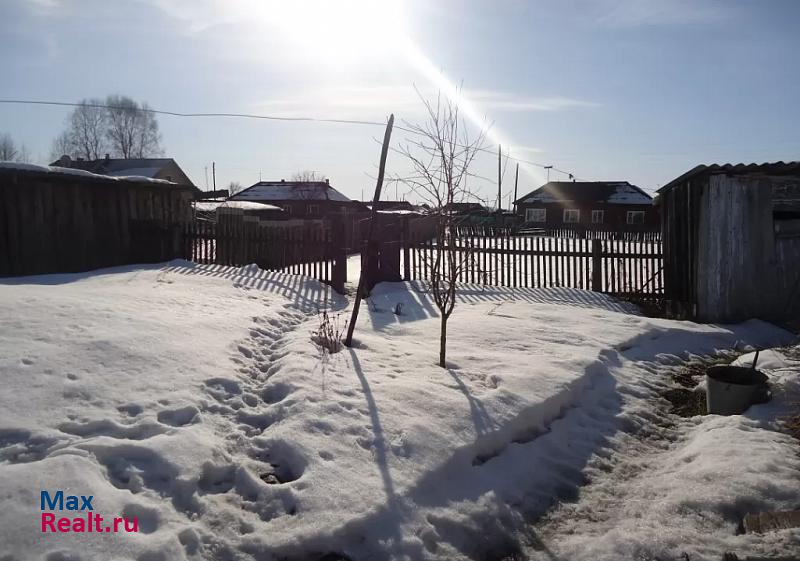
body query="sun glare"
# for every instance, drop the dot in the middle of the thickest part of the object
(340, 32)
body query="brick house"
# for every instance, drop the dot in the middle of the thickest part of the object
(589, 205)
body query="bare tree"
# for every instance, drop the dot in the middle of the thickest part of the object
(131, 128)
(441, 161)
(8, 149)
(307, 175)
(10, 152)
(234, 187)
(62, 146)
(118, 126)
(84, 136)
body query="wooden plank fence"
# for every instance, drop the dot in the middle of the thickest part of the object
(312, 251)
(492, 230)
(611, 266)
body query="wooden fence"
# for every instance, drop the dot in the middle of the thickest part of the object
(611, 266)
(62, 223)
(313, 251)
(578, 232)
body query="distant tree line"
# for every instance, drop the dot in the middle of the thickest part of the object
(118, 126)
(11, 152)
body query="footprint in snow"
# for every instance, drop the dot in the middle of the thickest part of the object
(179, 417)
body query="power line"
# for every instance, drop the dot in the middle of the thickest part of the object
(177, 114)
(268, 118)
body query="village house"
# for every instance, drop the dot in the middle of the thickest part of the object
(153, 168)
(302, 199)
(589, 205)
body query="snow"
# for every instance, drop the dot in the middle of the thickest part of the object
(70, 171)
(210, 206)
(170, 392)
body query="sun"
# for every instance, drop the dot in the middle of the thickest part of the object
(337, 32)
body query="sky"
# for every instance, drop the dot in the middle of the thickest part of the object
(631, 90)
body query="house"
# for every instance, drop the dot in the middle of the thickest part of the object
(153, 168)
(464, 208)
(391, 205)
(589, 205)
(302, 199)
(731, 237)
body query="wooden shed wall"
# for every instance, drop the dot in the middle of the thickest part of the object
(735, 250)
(726, 255)
(52, 223)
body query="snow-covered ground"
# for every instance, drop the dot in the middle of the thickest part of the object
(193, 398)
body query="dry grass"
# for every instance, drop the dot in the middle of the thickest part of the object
(330, 332)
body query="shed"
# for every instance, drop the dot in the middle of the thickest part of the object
(55, 220)
(732, 242)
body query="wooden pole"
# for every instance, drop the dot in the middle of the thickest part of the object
(499, 178)
(516, 181)
(379, 185)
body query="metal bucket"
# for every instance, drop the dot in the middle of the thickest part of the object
(730, 390)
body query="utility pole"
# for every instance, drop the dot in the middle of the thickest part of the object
(214, 174)
(516, 180)
(366, 263)
(499, 178)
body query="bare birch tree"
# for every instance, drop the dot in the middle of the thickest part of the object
(440, 160)
(118, 126)
(132, 129)
(86, 130)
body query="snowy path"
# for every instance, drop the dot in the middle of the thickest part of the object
(193, 398)
(668, 487)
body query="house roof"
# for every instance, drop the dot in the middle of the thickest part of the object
(391, 205)
(278, 191)
(465, 206)
(121, 167)
(66, 172)
(776, 168)
(611, 192)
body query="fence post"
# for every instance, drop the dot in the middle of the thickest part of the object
(406, 250)
(597, 265)
(339, 273)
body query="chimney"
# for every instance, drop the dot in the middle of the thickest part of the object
(327, 181)
(283, 181)
(107, 157)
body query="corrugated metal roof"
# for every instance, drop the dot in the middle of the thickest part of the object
(290, 191)
(587, 192)
(776, 168)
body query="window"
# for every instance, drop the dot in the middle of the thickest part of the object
(572, 215)
(313, 209)
(635, 217)
(597, 216)
(535, 215)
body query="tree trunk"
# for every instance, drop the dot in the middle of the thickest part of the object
(443, 342)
